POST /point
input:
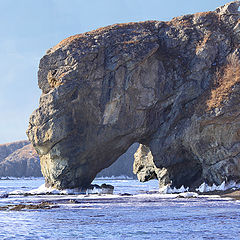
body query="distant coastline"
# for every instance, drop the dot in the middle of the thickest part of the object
(20, 160)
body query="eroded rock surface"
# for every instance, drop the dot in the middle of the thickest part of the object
(187, 173)
(19, 159)
(166, 85)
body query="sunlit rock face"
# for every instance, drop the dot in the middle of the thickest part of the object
(171, 86)
(19, 159)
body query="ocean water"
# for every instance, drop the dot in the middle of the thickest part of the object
(145, 214)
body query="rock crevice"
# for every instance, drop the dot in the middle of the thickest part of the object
(148, 82)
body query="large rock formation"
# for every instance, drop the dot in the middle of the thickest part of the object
(184, 173)
(171, 86)
(19, 159)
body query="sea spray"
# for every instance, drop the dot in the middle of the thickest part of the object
(204, 187)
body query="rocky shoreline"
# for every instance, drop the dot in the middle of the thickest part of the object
(52, 204)
(233, 194)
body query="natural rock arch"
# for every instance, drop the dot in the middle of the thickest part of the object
(148, 82)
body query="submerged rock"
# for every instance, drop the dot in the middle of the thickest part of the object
(96, 189)
(107, 188)
(171, 86)
(20, 207)
(3, 194)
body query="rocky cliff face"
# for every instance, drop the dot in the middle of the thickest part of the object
(187, 173)
(9, 148)
(171, 86)
(19, 159)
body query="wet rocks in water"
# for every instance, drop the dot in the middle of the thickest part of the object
(19, 207)
(3, 195)
(107, 188)
(234, 194)
(126, 194)
(103, 189)
(171, 86)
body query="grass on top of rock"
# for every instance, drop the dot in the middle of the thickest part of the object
(226, 78)
(204, 41)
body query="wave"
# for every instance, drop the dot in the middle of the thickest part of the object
(204, 187)
(43, 190)
(21, 178)
(97, 190)
(168, 190)
(121, 177)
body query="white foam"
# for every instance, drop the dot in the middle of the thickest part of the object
(94, 191)
(49, 190)
(188, 194)
(222, 187)
(168, 190)
(202, 188)
(21, 178)
(75, 191)
(17, 192)
(121, 177)
(43, 190)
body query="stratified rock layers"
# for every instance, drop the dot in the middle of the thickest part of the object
(165, 85)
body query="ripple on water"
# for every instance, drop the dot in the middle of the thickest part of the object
(142, 216)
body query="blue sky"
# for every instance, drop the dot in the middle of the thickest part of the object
(28, 28)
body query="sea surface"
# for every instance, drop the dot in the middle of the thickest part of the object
(135, 211)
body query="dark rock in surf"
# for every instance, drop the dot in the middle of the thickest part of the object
(3, 195)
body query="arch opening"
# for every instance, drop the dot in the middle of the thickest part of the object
(122, 167)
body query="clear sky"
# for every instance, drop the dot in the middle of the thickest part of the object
(29, 27)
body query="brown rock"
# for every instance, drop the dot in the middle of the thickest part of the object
(171, 86)
(19, 159)
(8, 148)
